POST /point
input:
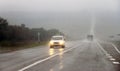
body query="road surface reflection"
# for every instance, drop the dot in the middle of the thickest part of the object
(60, 54)
(51, 51)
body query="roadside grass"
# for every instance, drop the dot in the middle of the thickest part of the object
(6, 49)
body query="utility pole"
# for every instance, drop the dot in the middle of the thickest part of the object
(38, 34)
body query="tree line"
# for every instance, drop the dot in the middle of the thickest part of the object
(11, 35)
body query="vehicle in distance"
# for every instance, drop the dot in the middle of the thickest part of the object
(57, 41)
(90, 37)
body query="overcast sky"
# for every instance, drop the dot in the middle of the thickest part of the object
(57, 5)
(70, 16)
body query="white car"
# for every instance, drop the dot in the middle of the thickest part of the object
(57, 41)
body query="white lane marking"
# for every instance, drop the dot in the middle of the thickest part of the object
(115, 48)
(109, 56)
(112, 59)
(40, 61)
(102, 48)
(116, 63)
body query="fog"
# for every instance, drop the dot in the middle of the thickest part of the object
(73, 17)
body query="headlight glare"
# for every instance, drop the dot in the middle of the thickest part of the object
(62, 42)
(51, 42)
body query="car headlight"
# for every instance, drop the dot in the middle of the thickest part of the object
(51, 42)
(62, 42)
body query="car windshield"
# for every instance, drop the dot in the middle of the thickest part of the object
(57, 38)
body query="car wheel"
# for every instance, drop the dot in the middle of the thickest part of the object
(63, 46)
(51, 46)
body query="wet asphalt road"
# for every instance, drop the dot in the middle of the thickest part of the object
(77, 56)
